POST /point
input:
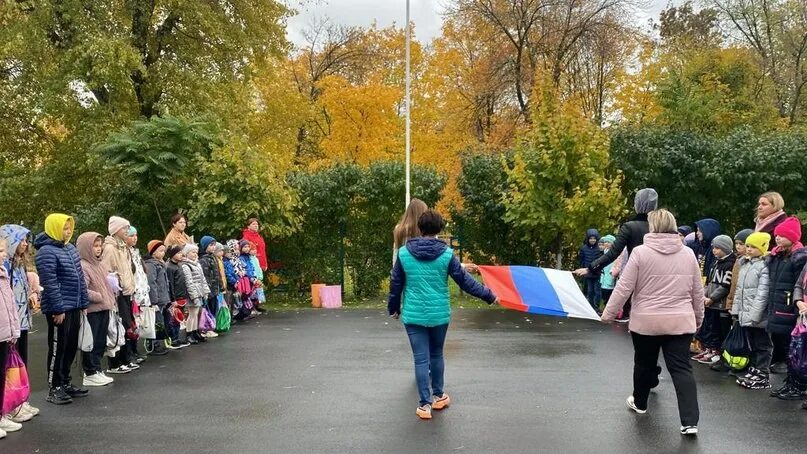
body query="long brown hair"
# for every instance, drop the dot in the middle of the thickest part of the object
(408, 225)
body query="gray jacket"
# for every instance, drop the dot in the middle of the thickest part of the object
(750, 300)
(195, 279)
(801, 283)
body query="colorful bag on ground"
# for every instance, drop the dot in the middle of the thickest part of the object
(85, 340)
(206, 320)
(736, 348)
(17, 389)
(223, 318)
(797, 360)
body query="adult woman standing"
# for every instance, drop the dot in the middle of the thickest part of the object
(770, 212)
(177, 235)
(664, 280)
(252, 233)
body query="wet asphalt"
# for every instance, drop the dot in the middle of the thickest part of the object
(319, 381)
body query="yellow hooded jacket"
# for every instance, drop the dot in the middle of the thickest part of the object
(54, 226)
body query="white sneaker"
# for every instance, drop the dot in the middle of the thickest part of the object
(19, 415)
(632, 405)
(107, 377)
(132, 366)
(8, 425)
(211, 334)
(2, 434)
(96, 380)
(30, 408)
(120, 370)
(689, 430)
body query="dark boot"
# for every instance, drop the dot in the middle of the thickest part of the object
(59, 397)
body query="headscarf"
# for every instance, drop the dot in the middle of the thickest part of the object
(235, 258)
(54, 226)
(646, 200)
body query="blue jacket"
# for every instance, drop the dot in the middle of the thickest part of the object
(59, 268)
(421, 274)
(703, 249)
(229, 269)
(588, 253)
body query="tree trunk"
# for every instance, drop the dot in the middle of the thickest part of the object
(559, 253)
(157, 210)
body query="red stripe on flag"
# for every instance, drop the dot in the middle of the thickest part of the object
(500, 281)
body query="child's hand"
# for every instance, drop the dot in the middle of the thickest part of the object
(707, 302)
(396, 316)
(802, 307)
(580, 272)
(472, 268)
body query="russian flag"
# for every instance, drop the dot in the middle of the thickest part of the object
(541, 291)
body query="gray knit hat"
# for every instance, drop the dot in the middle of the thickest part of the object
(724, 243)
(743, 235)
(646, 201)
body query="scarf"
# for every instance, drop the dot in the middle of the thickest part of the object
(764, 224)
(235, 258)
(794, 248)
(176, 238)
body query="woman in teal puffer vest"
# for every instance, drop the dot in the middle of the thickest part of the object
(421, 276)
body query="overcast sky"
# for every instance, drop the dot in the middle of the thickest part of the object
(426, 14)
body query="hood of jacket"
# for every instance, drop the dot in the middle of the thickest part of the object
(592, 233)
(426, 248)
(43, 240)
(710, 229)
(13, 234)
(664, 243)
(84, 246)
(54, 225)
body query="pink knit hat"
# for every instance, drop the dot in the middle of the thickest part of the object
(790, 228)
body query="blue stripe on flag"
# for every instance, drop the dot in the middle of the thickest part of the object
(536, 291)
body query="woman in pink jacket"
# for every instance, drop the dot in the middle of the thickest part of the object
(664, 280)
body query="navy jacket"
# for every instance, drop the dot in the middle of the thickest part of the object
(59, 268)
(703, 249)
(589, 254)
(428, 249)
(783, 272)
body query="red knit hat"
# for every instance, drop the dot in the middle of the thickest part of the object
(790, 228)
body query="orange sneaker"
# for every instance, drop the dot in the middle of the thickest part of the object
(424, 412)
(441, 402)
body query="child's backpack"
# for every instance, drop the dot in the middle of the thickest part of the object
(736, 348)
(223, 317)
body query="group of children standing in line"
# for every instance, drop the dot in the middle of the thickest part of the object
(755, 280)
(104, 282)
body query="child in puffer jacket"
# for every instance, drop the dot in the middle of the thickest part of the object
(607, 279)
(260, 294)
(589, 252)
(750, 307)
(717, 320)
(198, 291)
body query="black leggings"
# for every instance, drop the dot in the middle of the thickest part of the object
(22, 346)
(3, 356)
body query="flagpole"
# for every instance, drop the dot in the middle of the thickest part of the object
(408, 105)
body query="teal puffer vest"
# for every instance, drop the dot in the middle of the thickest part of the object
(426, 298)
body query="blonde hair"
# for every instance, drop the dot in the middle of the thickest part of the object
(408, 225)
(662, 221)
(775, 198)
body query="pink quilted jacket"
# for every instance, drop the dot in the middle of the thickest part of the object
(9, 318)
(663, 280)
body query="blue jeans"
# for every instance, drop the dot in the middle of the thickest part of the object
(593, 292)
(427, 350)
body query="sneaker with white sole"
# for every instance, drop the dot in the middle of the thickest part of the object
(711, 358)
(133, 366)
(689, 430)
(2, 434)
(30, 408)
(19, 415)
(97, 379)
(632, 405)
(119, 370)
(424, 412)
(8, 425)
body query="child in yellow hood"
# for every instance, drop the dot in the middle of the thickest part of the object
(64, 297)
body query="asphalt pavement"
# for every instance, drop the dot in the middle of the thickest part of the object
(339, 381)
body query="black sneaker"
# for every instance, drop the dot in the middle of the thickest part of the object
(191, 340)
(720, 366)
(58, 396)
(73, 391)
(198, 337)
(790, 392)
(779, 368)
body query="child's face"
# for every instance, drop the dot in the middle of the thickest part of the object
(245, 249)
(211, 248)
(193, 256)
(592, 240)
(751, 251)
(178, 257)
(683, 237)
(22, 248)
(67, 232)
(219, 253)
(159, 254)
(783, 242)
(740, 247)
(718, 252)
(700, 235)
(131, 240)
(253, 251)
(3, 251)
(98, 247)
(605, 246)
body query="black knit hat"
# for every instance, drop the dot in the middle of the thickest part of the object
(172, 251)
